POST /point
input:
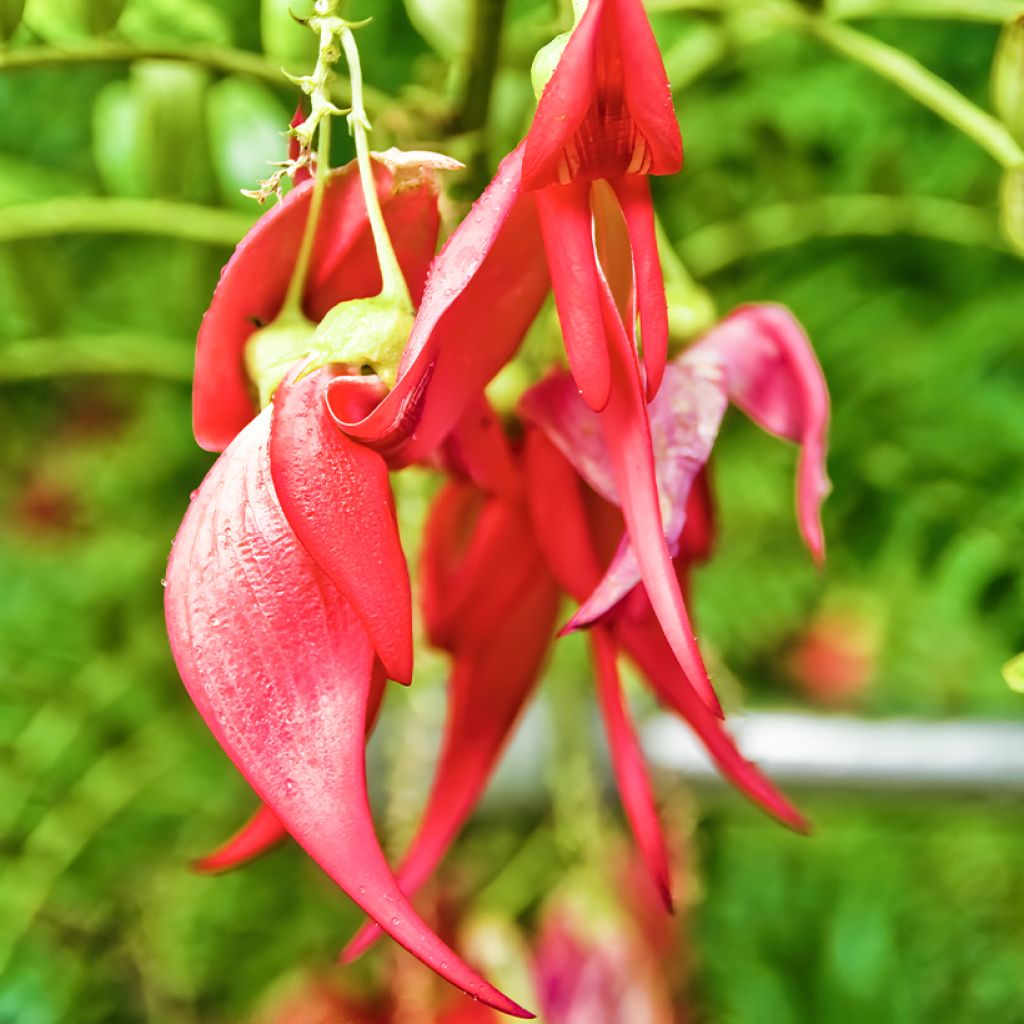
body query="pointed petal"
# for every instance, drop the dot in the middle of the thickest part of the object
(634, 195)
(646, 646)
(264, 830)
(337, 498)
(490, 684)
(483, 292)
(628, 764)
(253, 284)
(566, 221)
(260, 833)
(648, 95)
(280, 669)
(773, 375)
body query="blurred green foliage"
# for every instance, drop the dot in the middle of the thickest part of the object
(111, 784)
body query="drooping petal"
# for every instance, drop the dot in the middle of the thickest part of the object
(279, 666)
(343, 266)
(644, 643)
(483, 292)
(264, 830)
(566, 221)
(628, 451)
(492, 679)
(772, 374)
(634, 195)
(684, 422)
(336, 496)
(628, 764)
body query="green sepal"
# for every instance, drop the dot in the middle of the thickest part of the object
(365, 332)
(273, 350)
(546, 61)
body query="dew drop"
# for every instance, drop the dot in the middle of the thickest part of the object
(289, 787)
(163, 583)
(396, 921)
(193, 495)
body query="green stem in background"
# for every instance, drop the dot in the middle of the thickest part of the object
(713, 248)
(695, 54)
(94, 214)
(476, 98)
(77, 355)
(393, 284)
(996, 11)
(575, 798)
(222, 59)
(921, 84)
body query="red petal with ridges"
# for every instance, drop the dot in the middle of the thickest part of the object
(634, 195)
(492, 679)
(607, 109)
(264, 830)
(628, 438)
(482, 294)
(280, 668)
(337, 498)
(567, 224)
(564, 104)
(648, 94)
(628, 764)
(644, 643)
(253, 284)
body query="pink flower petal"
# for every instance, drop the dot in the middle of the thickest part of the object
(772, 374)
(628, 764)
(337, 498)
(280, 668)
(253, 284)
(482, 294)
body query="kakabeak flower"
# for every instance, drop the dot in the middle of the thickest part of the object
(574, 198)
(287, 585)
(483, 590)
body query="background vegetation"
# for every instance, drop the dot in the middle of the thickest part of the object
(813, 180)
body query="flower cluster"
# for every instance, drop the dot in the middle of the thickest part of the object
(288, 598)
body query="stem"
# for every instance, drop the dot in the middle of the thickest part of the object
(318, 87)
(713, 248)
(996, 11)
(393, 284)
(100, 215)
(476, 97)
(122, 353)
(223, 59)
(921, 84)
